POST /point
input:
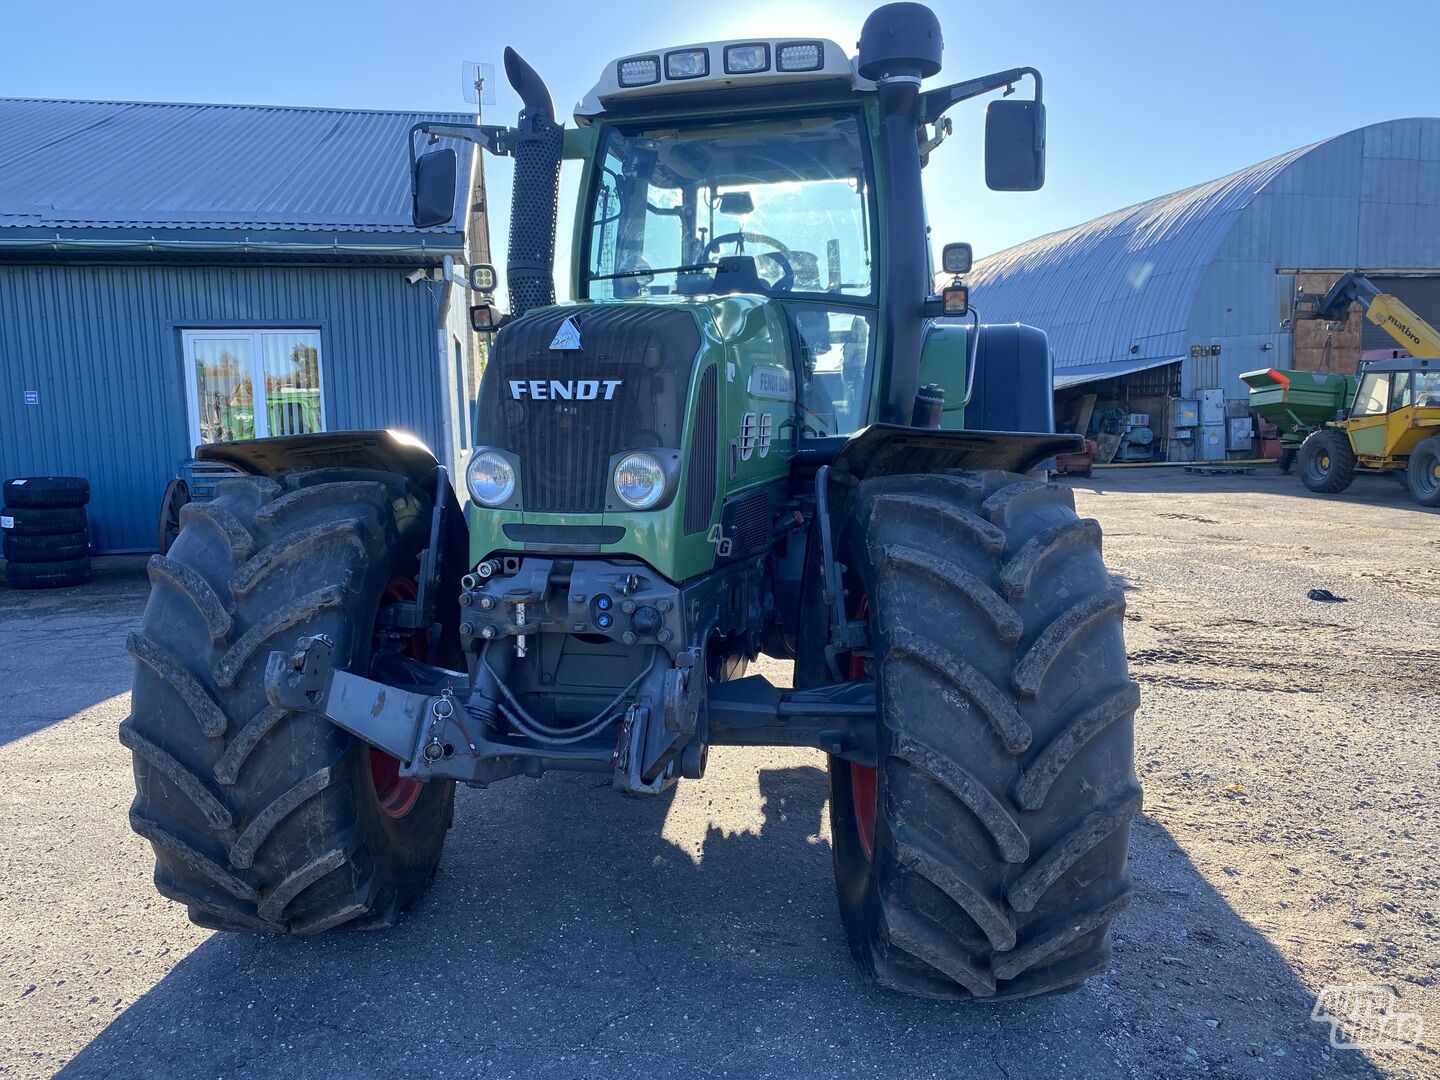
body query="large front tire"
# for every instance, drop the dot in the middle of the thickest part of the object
(1327, 462)
(265, 819)
(987, 854)
(1422, 474)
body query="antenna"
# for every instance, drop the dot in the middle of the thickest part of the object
(477, 82)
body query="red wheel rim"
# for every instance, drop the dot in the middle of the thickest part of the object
(397, 794)
(864, 781)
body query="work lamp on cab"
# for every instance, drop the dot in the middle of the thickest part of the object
(800, 56)
(490, 478)
(687, 64)
(639, 481)
(639, 71)
(747, 59)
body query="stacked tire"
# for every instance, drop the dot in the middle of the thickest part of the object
(46, 532)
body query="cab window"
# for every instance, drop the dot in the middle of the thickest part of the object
(1373, 396)
(834, 375)
(1400, 394)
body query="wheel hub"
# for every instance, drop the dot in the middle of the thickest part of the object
(396, 794)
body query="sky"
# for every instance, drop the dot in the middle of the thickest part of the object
(1142, 98)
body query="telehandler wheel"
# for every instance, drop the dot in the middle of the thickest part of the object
(1327, 463)
(987, 855)
(1422, 474)
(264, 819)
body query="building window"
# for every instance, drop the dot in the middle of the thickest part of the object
(249, 384)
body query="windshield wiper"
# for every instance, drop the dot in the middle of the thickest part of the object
(655, 270)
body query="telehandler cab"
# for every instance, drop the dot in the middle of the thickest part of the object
(755, 431)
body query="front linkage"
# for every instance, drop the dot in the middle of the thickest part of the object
(657, 728)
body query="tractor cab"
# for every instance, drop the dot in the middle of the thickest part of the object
(781, 206)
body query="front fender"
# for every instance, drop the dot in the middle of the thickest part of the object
(890, 449)
(447, 551)
(385, 451)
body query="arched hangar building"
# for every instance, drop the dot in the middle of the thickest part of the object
(1177, 296)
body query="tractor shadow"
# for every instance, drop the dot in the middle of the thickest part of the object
(62, 651)
(574, 933)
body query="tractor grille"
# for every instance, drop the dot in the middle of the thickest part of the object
(749, 522)
(700, 492)
(565, 414)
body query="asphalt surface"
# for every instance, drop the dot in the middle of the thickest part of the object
(1289, 841)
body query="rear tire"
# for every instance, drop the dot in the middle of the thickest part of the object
(1005, 790)
(47, 575)
(52, 492)
(263, 819)
(1287, 459)
(1422, 474)
(43, 521)
(46, 549)
(1327, 463)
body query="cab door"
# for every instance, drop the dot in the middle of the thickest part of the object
(1400, 425)
(1368, 416)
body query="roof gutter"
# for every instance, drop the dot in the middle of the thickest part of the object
(430, 246)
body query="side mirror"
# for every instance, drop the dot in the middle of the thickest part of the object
(1015, 146)
(956, 258)
(483, 279)
(432, 188)
(485, 318)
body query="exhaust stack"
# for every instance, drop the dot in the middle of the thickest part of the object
(900, 45)
(535, 202)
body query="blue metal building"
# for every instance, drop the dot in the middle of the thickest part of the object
(175, 274)
(1196, 287)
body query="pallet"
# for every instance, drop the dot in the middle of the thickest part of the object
(1220, 470)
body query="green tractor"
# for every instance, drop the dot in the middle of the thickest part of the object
(756, 431)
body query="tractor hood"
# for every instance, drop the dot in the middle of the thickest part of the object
(570, 390)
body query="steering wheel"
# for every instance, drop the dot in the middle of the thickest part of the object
(787, 274)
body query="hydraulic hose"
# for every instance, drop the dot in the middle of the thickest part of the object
(527, 725)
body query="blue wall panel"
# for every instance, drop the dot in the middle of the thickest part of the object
(101, 345)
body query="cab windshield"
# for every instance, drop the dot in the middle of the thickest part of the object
(778, 206)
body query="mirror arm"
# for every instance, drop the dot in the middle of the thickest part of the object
(496, 138)
(936, 102)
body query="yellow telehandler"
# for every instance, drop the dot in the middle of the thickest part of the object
(1394, 420)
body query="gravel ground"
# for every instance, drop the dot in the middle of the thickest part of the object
(1288, 842)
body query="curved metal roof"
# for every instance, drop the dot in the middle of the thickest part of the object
(1115, 294)
(69, 166)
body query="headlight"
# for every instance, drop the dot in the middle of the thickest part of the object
(687, 64)
(744, 59)
(639, 481)
(641, 71)
(490, 478)
(800, 56)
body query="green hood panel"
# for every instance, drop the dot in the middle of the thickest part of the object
(745, 339)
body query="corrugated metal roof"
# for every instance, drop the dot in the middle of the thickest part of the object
(1121, 285)
(115, 165)
(1077, 376)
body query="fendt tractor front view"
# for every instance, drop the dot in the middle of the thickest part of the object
(758, 429)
